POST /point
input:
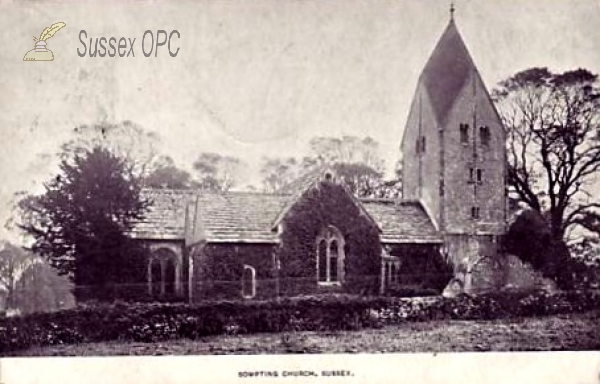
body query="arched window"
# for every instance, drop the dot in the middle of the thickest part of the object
(162, 273)
(248, 282)
(330, 257)
(484, 134)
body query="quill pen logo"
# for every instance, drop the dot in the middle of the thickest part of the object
(41, 51)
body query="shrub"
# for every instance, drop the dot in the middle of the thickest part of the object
(152, 322)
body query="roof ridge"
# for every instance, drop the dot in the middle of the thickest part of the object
(377, 200)
(168, 191)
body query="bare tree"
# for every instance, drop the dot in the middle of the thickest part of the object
(277, 172)
(552, 123)
(348, 149)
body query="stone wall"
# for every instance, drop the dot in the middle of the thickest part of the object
(462, 191)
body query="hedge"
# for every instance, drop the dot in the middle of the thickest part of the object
(151, 322)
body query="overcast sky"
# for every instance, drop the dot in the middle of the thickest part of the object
(256, 78)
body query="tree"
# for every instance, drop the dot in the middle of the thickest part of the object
(13, 262)
(41, 289)
(348, 149)
(80, 222)
(217, 172)
(277, 172)
(165, 174)
(126, 139)
(354, 160)
(552, 122)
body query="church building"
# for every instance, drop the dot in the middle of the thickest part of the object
(313, 236)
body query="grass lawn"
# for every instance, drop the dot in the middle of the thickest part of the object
(561, 332)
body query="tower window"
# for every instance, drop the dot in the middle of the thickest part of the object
(464, 133)
(475, 212)
(420, 145)
(475, 175)
(484, 135)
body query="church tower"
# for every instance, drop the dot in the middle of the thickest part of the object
(454, 158)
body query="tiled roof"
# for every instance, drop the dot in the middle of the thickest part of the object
(218, 216)
(446, 71)
(402, 221)
(247, 217)
(165, 219)
(239, 216)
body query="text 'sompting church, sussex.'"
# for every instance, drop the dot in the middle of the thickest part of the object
(314, 237)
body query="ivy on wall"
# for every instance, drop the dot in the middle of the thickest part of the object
(219, 272)
(329, 204)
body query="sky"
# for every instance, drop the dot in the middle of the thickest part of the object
(256, 78)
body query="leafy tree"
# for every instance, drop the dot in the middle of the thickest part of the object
(218, 172)
(530, 238)
(81, 220)
(165, 174)
(552, 121)
(13, 262)
(364, 181)
(41, 289)
(126, 140)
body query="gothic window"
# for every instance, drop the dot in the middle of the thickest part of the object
(475, 212)
(484, 135)
(471, 175)
(249, 282)
(330, 257)
(391, 271)
(464, 133)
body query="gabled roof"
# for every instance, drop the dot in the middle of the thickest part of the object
(219, 216)
(247, 217)
(239, 216)
(310, 180)
(402, 221)
(446, 71)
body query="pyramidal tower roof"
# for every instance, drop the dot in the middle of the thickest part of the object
(447, 70)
